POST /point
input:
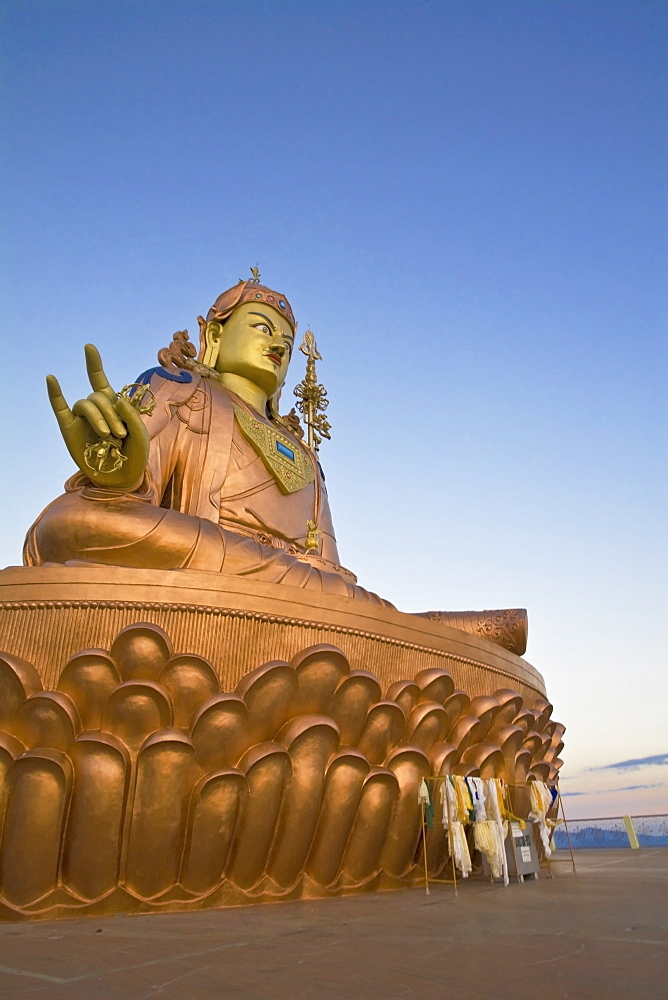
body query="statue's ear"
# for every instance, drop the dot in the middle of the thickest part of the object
(212, 334)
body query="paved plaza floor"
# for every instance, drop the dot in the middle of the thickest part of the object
(601, 932)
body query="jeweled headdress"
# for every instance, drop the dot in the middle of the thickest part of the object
(181, 351)
(250, 291)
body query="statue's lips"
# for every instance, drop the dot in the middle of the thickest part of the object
(275, 358)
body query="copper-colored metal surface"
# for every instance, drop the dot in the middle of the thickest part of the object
(52, 612)
(199, 705)
(143, 773)
(509, 627)
(312, 396)
(228, 511)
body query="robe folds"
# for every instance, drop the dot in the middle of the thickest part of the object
(207, 501)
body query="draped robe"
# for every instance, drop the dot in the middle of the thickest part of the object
(207, 502)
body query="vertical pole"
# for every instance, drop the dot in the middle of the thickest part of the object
(568, 836)
(631, 834)
(505, 796)
(424, 851)
(309, 421)
(452, 853)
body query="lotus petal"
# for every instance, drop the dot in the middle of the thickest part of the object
(456, 707)
(437, 850)
(541, 770)
(522, 765)
(38, 791)
(437, 835)
(190, 680)
(553, 752)
(466, 770)
(405, 693)
(383, 729)
(556, 729)
(466, 732)
(545, 709)
(486, 708)
(311, 740)
(18, 680)
(510, 702)
(96, 819)
(220, 732)
(88, 679)
(47, 719)
(135, 710)
(533, 742)
(443, 758)
(166, 774)
(320, 670)
(10, 749)
(341, 799)
(268, 769)
(486, 758)
(351, 702)
(525, 719)
(509, 739)
(410, 765)
(540, 751)
(380, 792)
(217, 805)
(427, 725)
(141, 652)
(435, 685)
(271, 695)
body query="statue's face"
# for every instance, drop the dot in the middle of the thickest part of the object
(256, 343)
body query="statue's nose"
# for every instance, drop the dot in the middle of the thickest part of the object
(279, 347)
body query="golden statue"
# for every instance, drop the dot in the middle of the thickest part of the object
(207, 476)
(199, 706)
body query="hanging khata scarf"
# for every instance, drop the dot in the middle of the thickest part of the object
(488, 840)
(496, 812)
(465, 812)
(424, 797)
(459, 849)
(448, 801)
(541, 800)
(477, 791)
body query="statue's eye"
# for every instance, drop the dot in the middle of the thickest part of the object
(263, 328)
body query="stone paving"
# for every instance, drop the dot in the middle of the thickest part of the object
(601, 932)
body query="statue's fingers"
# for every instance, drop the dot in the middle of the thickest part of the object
(64, 415)
(108, 410)
(89, 411)
(130, 416)
(96, 376)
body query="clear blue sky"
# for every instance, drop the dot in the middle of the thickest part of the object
(467, 202)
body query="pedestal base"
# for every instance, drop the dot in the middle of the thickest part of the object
(176, 740)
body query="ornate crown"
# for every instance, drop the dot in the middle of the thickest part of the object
(182, 352)
(250, 291)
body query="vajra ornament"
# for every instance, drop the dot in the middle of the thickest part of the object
(105, 455)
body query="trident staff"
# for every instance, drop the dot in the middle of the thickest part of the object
(312, 396)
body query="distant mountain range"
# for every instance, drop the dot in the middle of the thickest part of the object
(598, 837)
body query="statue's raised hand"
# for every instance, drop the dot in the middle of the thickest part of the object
(104, 433)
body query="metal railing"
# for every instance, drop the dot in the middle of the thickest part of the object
(614, 832)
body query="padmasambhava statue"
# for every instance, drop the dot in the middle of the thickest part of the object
(238, 755)
(207, 476)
